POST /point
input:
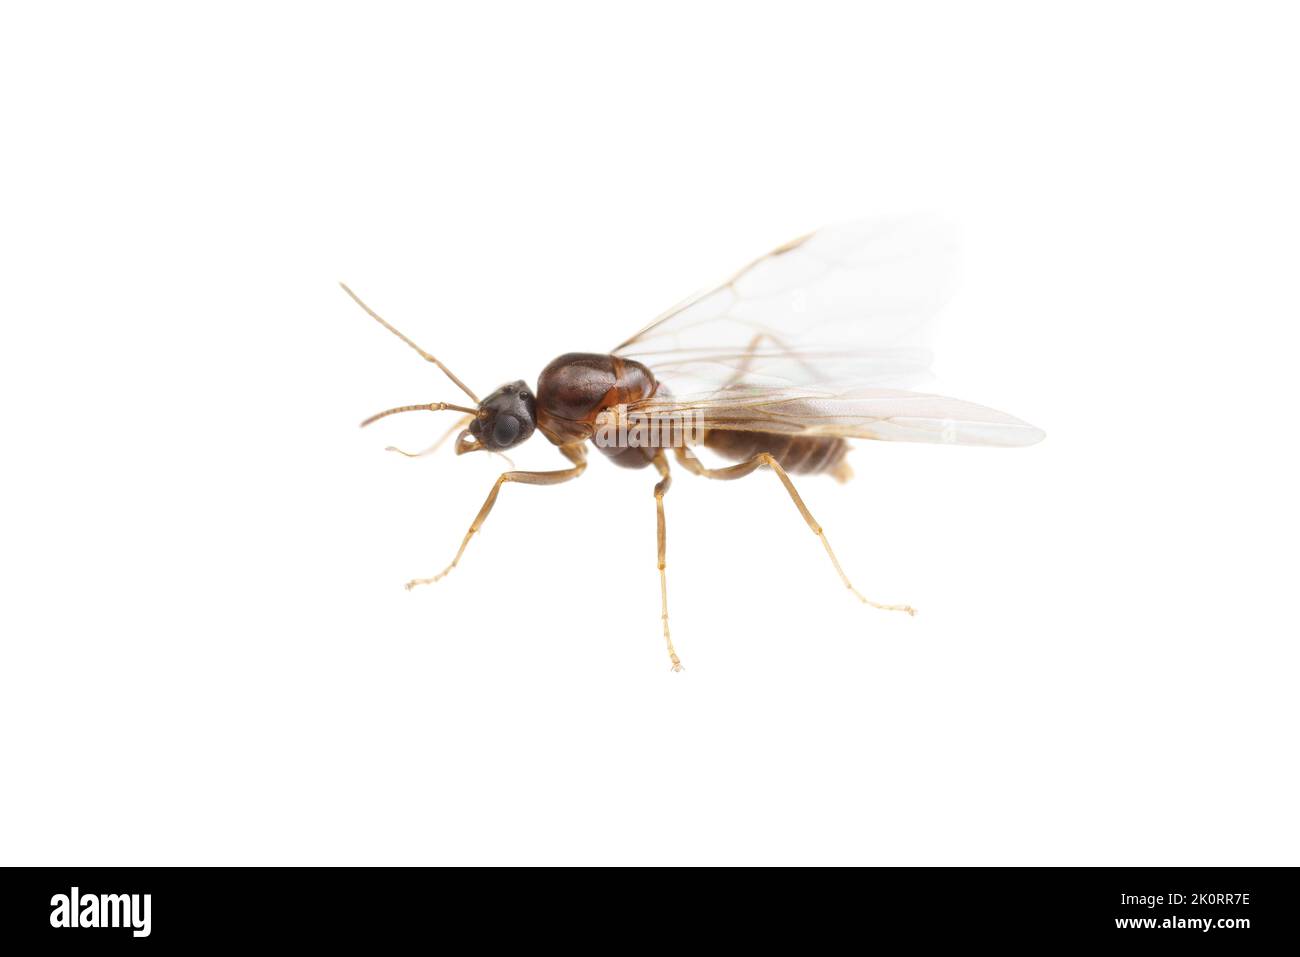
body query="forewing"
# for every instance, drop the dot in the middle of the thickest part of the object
(846, 303)
(890, 415)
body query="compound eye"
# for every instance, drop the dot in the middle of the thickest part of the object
(506, 430)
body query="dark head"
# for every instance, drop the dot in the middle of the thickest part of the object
(504, 419)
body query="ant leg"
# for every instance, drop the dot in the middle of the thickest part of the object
(460, 424)
(575, 454)
(747, 357)
(666, 481)
(693, 464)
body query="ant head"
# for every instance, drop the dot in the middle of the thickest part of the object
(504, 419)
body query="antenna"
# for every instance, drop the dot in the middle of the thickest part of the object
(428, 407)
(428, 357)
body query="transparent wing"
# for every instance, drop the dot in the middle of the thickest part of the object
(849, 412)
(846, 303)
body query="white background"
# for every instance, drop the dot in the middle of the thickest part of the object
(207, 653)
